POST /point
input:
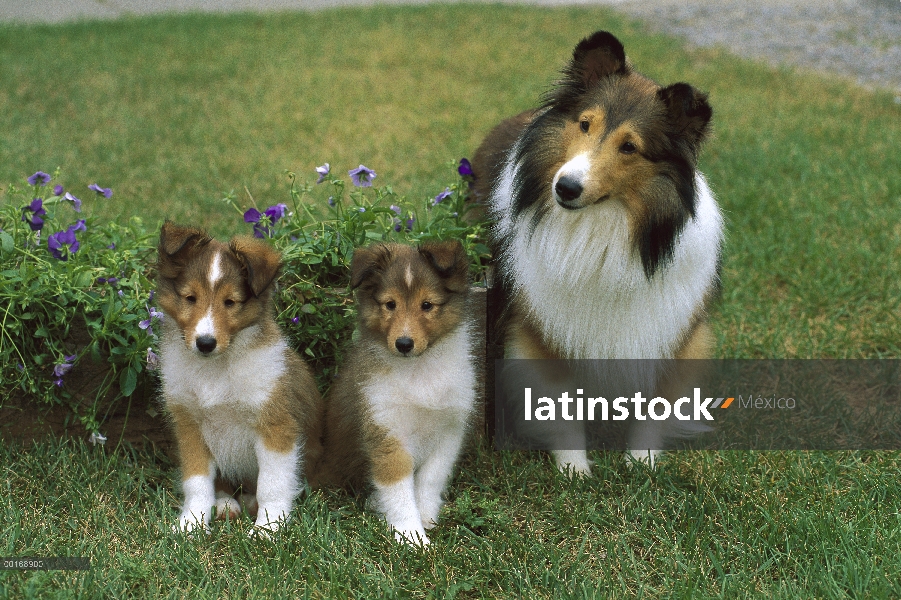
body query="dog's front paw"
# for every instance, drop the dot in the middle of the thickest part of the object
(412, 536)
(648, 458)
(227, 507)
(190, 524)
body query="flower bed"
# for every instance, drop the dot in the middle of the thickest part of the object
(77, 320)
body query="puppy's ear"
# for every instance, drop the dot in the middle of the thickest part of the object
(688, 112)
(260, 261)
(367, 262)
(597, 56)
(176, 244)
(448, 259)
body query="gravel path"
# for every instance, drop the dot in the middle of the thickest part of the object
(859, 39)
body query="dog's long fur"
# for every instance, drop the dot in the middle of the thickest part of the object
(397, 415)
(606, 236)
(244, 407)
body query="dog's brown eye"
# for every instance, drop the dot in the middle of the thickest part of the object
(229, 302)
(628, 148)
(427, 306)
(584, 125)
(191, 299)
(391, 305)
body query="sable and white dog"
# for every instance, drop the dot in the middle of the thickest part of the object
(245, 408)
(607, 238)
(398, 413)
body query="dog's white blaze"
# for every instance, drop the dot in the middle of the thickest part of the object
(277, 484)
(576, 168)
(408, 276)
(215, 269)
(205, 326)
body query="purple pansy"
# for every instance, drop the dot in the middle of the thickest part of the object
(361, 176)
(58, 190)
(105, 192)
(408, 226)
(153, 360)
(331, 200)
(465, 168)
(262, 222)
(60, 369)
(323, 171)
(63, 243)
(36, 208)
(395, 208)
(153, 314)
(442, 196)
(39, 178)
(75, 201)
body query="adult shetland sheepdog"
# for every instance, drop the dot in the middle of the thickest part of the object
(607, 238)
(242, 404)
(397, 415)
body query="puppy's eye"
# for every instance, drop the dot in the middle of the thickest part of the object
(390, 304)
(191, 299)
(427, 306)
(584, 125)
(628, 148)
(229, 303)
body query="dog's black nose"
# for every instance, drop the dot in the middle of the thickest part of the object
(568, 189)
(206, 343)
(404, 345)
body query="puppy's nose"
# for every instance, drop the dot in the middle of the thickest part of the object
(206, 344)
(404, 345)
(568, 188)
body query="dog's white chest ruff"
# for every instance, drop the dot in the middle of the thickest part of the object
(577, 276)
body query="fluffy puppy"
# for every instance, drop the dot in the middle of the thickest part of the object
(397, 415)
(244, 407)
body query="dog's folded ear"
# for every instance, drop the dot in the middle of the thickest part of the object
(449, 261)
(260, 261)
(367, 262)
(688, 112)
(176, 243)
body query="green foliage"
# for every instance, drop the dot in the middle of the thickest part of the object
(93, 303)
(58, 314)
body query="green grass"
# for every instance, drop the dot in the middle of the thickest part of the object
(174, 112)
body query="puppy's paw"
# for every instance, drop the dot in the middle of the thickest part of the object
(191, 525)
(646, 458)
(227, 507)
(412, 536)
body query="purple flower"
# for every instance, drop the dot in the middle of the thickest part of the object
(465, 168)
(295, 320)
(361, 176)
(58, 190)
(153, 314)
(60, 369)
(37, 209)
(106, 192)
(79, 226)
(72, 199)
(64, 243)
(153, 360)
(331, 200)
(111, 246)
(39, 178)
(263, 221)
(398, 224)
(323, 171)
(395, 208)
(109, 280)
(442, 196)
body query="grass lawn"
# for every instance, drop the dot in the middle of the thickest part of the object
(174, 113)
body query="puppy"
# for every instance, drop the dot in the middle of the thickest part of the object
(398, 413)
(244, 407)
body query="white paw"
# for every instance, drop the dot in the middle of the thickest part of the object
(188, 523)
(573, 463)
(412, 536)
(648, 458)
(227, 507)
(270, 519)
